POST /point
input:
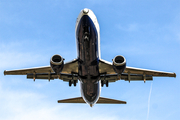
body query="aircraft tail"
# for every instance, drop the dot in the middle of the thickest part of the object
(101, 100)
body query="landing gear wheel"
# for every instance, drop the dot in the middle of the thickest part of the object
(107, 83)
(74, 82)
(70, 83)
(102, 83)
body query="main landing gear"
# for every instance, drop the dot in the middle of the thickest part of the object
(72, 82)
(104, 82)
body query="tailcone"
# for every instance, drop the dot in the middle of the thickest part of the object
(91, 105)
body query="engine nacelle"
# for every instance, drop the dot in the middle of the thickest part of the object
(57, 63)
(119, 64)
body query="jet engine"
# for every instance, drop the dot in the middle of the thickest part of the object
(119, 64)
(57, 63)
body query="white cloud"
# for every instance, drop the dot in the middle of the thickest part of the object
(24, 105)
(16, 59)
(12, 55)
(21, 105)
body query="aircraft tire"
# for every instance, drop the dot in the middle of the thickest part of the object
(102, 83)
(70, 83)
(107, 83)
(74, 82)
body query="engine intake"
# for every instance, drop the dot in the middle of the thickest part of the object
(119, 64)
(57, 63)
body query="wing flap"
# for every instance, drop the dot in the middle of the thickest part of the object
(52, 76)
(115, 77)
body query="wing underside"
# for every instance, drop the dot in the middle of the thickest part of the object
(70, 72)
(130, 73)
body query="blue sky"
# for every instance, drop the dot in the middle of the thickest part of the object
(146, 33)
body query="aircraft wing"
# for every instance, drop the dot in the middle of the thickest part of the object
(46, 72)
(130, 73)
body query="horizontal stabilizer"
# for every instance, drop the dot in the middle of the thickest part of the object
(100, 101)
(72, 100)
(109, 101)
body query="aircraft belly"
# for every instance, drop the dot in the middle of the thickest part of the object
(88, 65)
(90, 91)
(87, 42)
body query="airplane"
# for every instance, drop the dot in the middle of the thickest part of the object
(88, 68)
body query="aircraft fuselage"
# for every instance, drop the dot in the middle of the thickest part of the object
(88, 40)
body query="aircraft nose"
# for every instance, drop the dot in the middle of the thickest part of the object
(85, 10)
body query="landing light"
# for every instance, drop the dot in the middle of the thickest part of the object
(85, 10)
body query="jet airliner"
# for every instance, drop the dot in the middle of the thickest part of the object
(88, 68)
